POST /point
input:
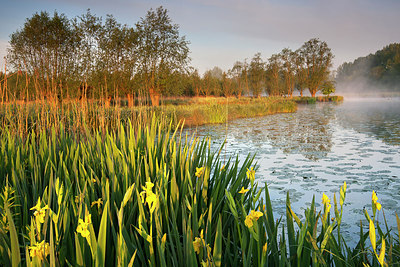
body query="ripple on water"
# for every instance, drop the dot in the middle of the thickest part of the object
(285, 177)
(319, 147)
(346, 164)
(365, 167)
(389, 204)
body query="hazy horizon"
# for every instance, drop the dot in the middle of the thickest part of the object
(223, 32)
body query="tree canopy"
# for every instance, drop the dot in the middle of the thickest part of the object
(380, 70)
(94, 57)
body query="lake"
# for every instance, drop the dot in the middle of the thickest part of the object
(316, 149)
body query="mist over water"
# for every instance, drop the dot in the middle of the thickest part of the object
(316, 149)
(363, 88)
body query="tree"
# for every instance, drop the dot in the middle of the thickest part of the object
(196, 82)
(227, 86)
(45, 49)
(89, 29)
(328, 88)
(300, 72)
(273, 75)
(236, 73)
(245, 76)
(318, 60)
(212, 82)
(117, 54)
(160, 50)
(287, 57)
(256, 74)
(378, 71)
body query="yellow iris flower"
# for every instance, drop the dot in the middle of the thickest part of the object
(265, 248)
(40, 212)
(243, 191)
(198, 243)
(252, 217)
(248, 221)
(375, 201)
(40, 250)
(98, 202)
(256, 214)
(326, 202)
(151, 198)
(325, 199)
(251, 174)
(374, 197)
(199, 171)
(83, 226)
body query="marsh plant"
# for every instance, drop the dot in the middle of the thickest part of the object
(145, 195)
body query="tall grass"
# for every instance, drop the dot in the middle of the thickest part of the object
(198, 111)
(144, 195)
(77, 116)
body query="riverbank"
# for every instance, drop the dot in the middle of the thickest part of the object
(211, 110)
(313, 100)
(75, 116)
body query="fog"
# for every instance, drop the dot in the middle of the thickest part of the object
(363, 87)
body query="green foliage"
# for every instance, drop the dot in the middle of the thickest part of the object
(381, 69)
(274, 79)
(46, 49)
(256, 75)
(160, 51)
(141, 195)
(318, 59)
(86, 57)
(328, 88)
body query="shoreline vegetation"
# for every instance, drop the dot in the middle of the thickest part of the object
(23, 118)
(141, 194)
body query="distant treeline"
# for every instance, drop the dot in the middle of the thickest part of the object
(380, 70)
(88, 57)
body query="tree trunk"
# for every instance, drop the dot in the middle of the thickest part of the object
(154, 97)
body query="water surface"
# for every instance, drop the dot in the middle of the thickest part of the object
(316, 149)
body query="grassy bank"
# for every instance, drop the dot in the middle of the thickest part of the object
(313, 100)
(143, 195)
(198, 111)
(75, 116)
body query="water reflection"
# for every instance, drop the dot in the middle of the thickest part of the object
(378, 117)
(308, 132)
(316, 149)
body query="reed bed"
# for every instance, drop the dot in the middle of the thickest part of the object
(142, 194)
(78, 116)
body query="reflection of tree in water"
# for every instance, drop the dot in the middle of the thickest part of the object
(307, 133)
(379, 118)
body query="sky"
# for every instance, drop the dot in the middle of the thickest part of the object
(222, 32)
